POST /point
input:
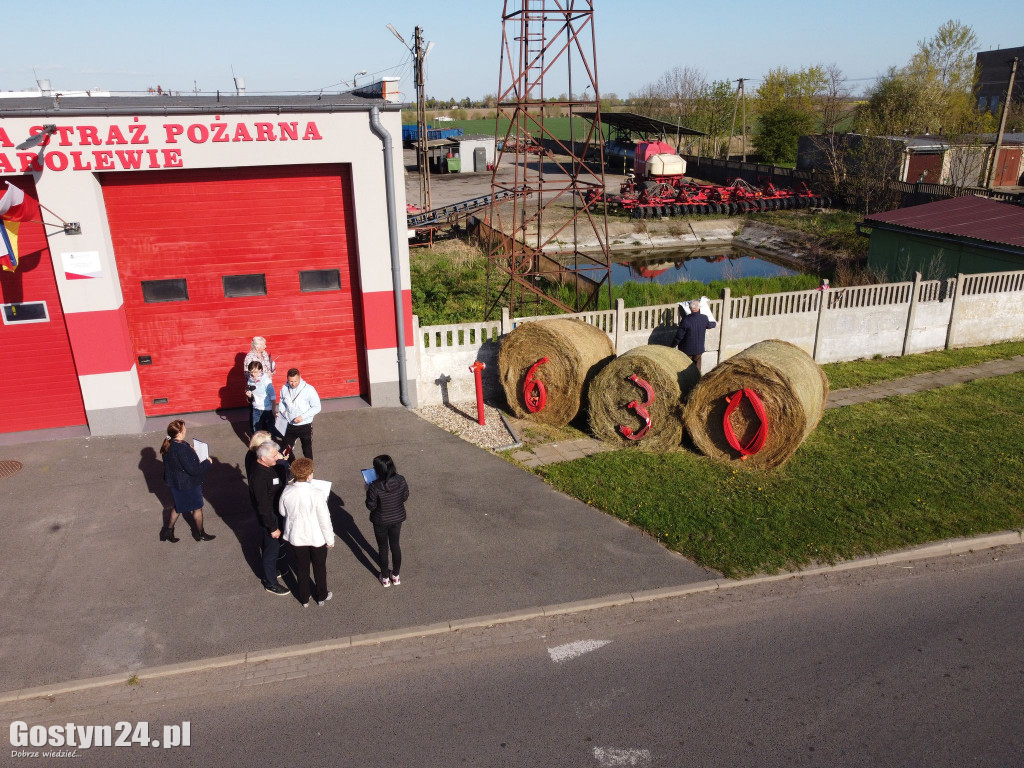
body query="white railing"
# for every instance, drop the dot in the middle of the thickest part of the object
(459, 335)
(766, 304)
(993, 282)
(857, 296)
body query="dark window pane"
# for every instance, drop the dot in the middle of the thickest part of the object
(154, 291)
(32, 312)
(320, 280)
(244, 285)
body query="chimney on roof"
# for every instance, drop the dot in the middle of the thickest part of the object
(44, 86)
(240, 86)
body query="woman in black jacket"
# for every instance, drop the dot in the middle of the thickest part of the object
(183, 473)
(385, 498)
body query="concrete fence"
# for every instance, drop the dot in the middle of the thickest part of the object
(833, 325)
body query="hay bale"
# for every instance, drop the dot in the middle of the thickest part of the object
(671, 375)
(575, 350)
(788, 382)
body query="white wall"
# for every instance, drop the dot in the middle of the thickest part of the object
(835, 325)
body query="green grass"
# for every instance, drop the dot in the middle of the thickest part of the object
(835, 229)
(861, 373)
(557, 126)
(870, 478)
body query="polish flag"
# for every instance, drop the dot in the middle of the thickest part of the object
(16, 206)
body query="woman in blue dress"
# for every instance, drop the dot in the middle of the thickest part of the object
(183, 473)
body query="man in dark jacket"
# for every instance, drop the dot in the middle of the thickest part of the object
(692, 330)
(265, 487)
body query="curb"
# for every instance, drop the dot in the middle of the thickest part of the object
(940, 549)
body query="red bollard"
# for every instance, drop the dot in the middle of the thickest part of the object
(476, 368)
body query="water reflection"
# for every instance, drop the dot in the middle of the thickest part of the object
(698, 264)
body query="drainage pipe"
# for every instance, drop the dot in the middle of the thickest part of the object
(396, 266)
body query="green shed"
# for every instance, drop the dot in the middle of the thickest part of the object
(947, 237)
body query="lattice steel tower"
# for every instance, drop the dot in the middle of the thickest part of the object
(548, 47)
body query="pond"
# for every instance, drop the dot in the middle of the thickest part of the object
(704, 264)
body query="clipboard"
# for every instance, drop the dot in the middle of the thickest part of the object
(322, 485)
(202, 449)
(281, 424)
(369, 475)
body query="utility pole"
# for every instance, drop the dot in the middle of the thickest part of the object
(740, 91)
(1002, 125)
(422, 153)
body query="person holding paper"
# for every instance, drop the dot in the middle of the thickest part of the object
(308, 531)
(299, 404)
(693, 328)
(385, 498)
(183, 473)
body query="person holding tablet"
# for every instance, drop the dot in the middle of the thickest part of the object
(385, 498)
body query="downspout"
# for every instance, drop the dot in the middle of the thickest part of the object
(396, 266)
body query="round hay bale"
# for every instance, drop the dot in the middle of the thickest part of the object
(575, 350)
(670, 374)
(789, 384)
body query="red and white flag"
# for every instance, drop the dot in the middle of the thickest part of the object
(15, 205)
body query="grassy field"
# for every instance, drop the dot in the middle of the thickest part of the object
(834, 229)
(872, 477)
(861, 373)
(558, 126)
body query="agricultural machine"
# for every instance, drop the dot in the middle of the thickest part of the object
(659, 188)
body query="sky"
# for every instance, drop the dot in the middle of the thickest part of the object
(278, 47)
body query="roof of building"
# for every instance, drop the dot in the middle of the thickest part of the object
(975, 217)
(164, 104)
(630, 121)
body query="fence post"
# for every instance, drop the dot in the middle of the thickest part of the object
(620, 325)
(915, 290)
(418, 344)
(822, 305)
(506, 321)
(954, 312)
(723, 321)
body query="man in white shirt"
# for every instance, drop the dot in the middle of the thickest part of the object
(299, 404)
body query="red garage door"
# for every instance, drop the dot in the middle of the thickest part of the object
(208, 259)
(39, 372)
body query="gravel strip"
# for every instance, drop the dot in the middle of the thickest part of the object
(460, 419)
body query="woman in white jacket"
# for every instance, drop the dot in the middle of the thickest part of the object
(308, 529)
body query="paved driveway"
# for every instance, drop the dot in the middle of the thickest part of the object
(89, 589)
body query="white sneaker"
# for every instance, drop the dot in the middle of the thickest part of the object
(385, 581)
(321, 602)
(396, 579)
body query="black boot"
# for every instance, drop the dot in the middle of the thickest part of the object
(171, 537)
(202, 535)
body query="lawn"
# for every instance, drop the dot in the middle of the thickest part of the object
(872, 477)
(861, 373)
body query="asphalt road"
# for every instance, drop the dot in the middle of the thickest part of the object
(906, 665)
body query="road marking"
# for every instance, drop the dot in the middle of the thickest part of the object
(614, 756)
(572, 650)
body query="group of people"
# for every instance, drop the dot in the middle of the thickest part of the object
(288, 506)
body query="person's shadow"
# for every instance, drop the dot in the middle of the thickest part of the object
(152, 468)
(346, 529)
(233, 406)
(227, 495)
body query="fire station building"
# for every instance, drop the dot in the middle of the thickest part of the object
(174, 229)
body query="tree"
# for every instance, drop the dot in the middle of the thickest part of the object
(713, 113)
(786, 104)
(778, 129)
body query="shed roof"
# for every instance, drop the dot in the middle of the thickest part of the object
(975, 217)
(641, 124)
(166, 104)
